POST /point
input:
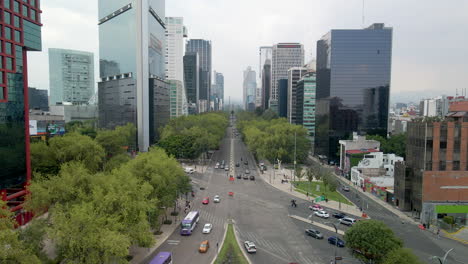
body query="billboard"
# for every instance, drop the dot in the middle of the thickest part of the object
(44, 127)
(32, 127)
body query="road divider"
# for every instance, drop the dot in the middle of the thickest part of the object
(300, 218)
(231, 250)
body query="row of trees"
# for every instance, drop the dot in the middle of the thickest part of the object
(98, 203)
(274, 138)
(394, 144)
(187, 137)
(374, 242)
(319, 174)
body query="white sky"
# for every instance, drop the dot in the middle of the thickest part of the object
(430, 37)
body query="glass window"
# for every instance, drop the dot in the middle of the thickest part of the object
(7, 17)
(33, 14)
(25, 11)
(17, 36)
(1, 61)
(16, 6)
(33, 2)
(7, 4)
(8, 48)
(17, 21)
(8, 33)
(9, 63)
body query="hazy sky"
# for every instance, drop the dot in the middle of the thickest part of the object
(430, 38)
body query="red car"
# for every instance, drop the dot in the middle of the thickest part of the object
(206, 200)
(315, 207)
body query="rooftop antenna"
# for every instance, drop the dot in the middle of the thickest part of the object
(363, 25)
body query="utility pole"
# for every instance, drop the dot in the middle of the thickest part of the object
(295, 146)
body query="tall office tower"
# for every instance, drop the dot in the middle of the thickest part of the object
(203, 48)
(218, 90)
(283, 98)
(192, 81)
(258, 97)
(132, 66)
(21, 28)
(294, 75)
(38, 99)
(71, 75)
(175, 34)
(305, 104)
(266, 84)
(250, 87)
(359, 103)
(284, 57)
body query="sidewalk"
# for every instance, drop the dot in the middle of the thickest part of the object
(286, 187)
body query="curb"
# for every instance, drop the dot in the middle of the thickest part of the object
(222, 243)
(450, 236)
(240, 245)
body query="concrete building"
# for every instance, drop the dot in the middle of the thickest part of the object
(358, 104)
(203, 48)
(192, 81)
(21, 34)
(38, 99)
(294, 75)
(249, 88)
(71, 75)
(75, 112)
(178, 99)
(264, 72)
(218, 91)
(438, 106)
(284, 57)
(433, 181)
(352, 151)
(305, 104)
(132, 66)
(283, 98)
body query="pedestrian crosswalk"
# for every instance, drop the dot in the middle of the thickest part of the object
(207, 217)
(173, 242)
(272, 246)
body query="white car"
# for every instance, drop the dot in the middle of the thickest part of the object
(347, 221)
(207, 228)
(322, 214)
(226, 168)
(250, 246)
(216, 199)
(189, 170)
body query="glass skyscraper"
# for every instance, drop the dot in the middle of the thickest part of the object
(305, 104)
(192, 80)
(71, 74)
(21, 32)
(132, 65)
(203, 48)
(353, 85)
(250, 89)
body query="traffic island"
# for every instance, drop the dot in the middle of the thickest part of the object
(231, 252)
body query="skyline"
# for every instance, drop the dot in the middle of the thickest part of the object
(420, 61)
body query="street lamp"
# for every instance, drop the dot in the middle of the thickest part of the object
(444, 259)
(336, 241)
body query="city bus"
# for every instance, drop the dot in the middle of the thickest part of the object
(162, 258)
(189, 223)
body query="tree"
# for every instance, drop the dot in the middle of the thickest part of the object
(269, 115)
(401, 256)
(116, 161)
(299, 173)
(310, 177)
(43, 159)
(116, 141)
(371, 240)
(395, 144)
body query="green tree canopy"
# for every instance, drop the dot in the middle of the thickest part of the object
(371, 240)
(401, 256)
(395, 144)
(116, 141)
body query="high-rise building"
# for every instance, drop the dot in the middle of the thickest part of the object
(432, 183)
(305, 104)
(360, 103)
(266, 84)
(218, 91)
(192, 80)
(258, 97)
(294, 75)
(250, 87)
(178, 99)
(38, 99)
(71, 75)
(283, 98)
(21, 32)
(132, 66)
(284, 57)
(203, 48)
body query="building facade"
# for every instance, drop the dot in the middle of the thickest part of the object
(218, 91)
(353, 85)
(192, 81)
(203, 48)
(71, 75)
(21, 32)
(294, 75)
(283, 96)
(250, 87)
(178, 99)
(266, 84)
(38, 99)
(305, 104)
(132, 55)
(352, 150)
(284, 57)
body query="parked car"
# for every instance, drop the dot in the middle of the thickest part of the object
(247, 171)
(207, 228)
(239, 176)
(314, 233)
(315, 207)
(204, 246)
(216, 199)
(250, 246)
(345, 188)
(237, 164)
(226, 168)
(206, 200)
(246, 177)
(246, 162)
(336, 241)
(347, 221)
(252, 178)
(322, 214)
(221, 166)
(189, 170)
(339, 215)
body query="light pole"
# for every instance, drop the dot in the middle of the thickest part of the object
(336, 241)
(444, 259)
(295, 146)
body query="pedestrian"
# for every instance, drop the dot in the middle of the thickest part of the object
(438, 232)
(307, 194)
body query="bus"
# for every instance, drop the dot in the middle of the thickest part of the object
(162, 258)
(189, 223)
